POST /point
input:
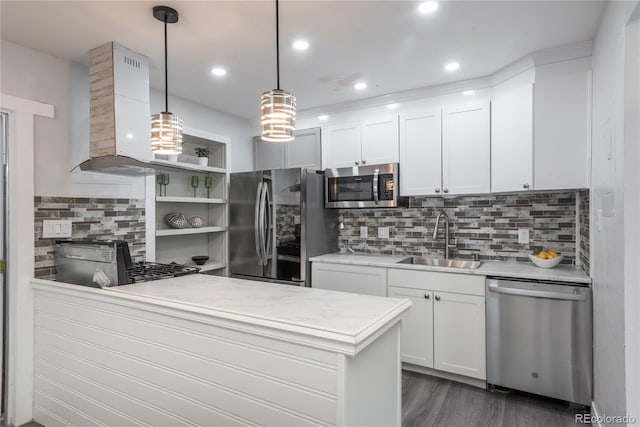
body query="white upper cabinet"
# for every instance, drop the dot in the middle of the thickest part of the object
(380, 140)
(366, 142)
(304, 151)
(562, 111)
(466, 148)
(343, 145)
(421, 153)
(267, 155)
(512, 137)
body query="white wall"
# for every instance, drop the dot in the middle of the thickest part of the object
(203, 118)
(610, 379)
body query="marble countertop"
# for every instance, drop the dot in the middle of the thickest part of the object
(338, 316)
(561, 273)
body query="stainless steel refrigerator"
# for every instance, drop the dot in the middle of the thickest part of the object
(277, 222)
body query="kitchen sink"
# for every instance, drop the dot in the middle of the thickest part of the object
(438, 262)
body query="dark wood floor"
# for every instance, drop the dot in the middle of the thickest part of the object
(430, 401)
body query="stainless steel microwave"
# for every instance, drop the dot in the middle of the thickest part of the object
(370, 186)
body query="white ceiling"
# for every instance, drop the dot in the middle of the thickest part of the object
(385, 43)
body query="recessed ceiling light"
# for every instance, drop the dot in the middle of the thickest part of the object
(218, 71)
(452, 66)
(301, 45)
(392, 106)
(428, 7)
(469, 92)
(323, 117)
(360, 86)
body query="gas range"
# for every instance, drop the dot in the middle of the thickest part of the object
(108, 263)
(147, 271)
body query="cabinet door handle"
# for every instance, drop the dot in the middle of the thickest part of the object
(437, 190)
(426, 296)
(437, 298)
(364, 162)
(446, 190)
(525, 186)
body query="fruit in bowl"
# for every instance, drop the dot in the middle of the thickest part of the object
(546, 259)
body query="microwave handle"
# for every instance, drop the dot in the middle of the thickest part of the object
(376, 197)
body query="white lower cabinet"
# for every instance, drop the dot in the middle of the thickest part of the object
(417, 326)
(349, 278)
(459, 334)
(445, 326)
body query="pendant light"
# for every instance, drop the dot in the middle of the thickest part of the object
(166, 127)
(278, 107)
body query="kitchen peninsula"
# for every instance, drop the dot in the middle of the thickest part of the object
(210, 350)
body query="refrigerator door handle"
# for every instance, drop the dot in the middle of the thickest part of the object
(261, 219)
(256, 223)
(267, 232)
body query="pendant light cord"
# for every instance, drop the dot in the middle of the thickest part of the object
(166, 75)
(277, 46)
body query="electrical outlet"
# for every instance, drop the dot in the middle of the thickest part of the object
(364, 232)
(383, 232)
(523, 236)
(55, 229)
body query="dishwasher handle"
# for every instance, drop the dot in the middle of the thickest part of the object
(536, 294)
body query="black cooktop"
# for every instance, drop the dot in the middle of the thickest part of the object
(147, 271)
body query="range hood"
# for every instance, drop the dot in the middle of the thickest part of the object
(119, 113)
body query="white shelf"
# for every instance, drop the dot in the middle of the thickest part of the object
(188, 166)
(182, 199)
(184, 231)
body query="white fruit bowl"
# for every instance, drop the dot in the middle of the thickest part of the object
(546, 263)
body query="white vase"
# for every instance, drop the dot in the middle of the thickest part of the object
(172, 157)
(203, 161)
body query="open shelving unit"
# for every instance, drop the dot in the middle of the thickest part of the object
(180, 244)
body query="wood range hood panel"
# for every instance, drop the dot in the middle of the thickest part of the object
(119, 103)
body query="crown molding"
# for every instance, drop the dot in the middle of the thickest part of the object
(534, 59)
(397, 97)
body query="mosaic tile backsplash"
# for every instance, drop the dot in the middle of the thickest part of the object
(97, 219)
(486, 226)
(585, 230)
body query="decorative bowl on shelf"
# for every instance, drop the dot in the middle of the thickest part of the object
(176, 220)
(200, 259)
(546, 263)
(196, 222)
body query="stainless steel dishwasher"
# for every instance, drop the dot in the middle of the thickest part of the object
(539, 338)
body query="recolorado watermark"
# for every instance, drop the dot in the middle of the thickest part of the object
(605, 419)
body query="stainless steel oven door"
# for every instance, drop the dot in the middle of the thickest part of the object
(362, 186)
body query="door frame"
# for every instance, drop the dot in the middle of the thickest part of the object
(20, 198)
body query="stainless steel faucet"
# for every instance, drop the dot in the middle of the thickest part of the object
(446, 232)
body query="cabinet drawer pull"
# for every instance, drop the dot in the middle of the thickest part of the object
(446, 190)
(437, 298)
(364, 162)
(357, 163)
(437, 190)
(526, 186)
(426, 296)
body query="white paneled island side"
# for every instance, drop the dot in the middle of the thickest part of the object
(208, 350)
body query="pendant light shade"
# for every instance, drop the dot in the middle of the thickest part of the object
(166, 127)
(277, 106)
(278, 115)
